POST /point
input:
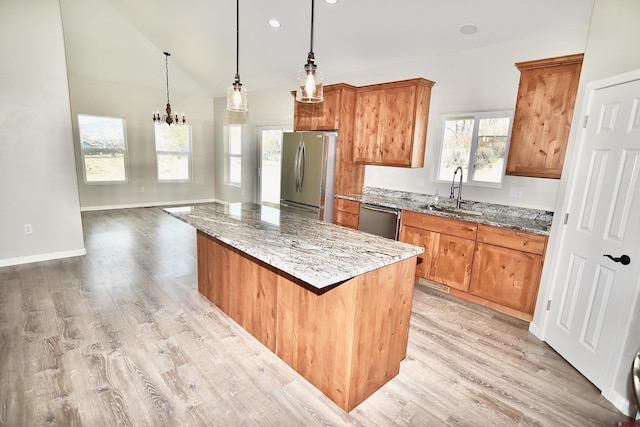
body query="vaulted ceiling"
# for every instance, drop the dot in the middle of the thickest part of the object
(122, 41)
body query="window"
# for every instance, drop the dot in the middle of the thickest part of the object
(478, 142)
(104, 148)
(173, 152)
(233, 169)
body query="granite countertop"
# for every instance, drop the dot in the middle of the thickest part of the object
(318, 253)
(522, 219)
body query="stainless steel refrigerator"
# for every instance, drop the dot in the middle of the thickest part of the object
(308, 173)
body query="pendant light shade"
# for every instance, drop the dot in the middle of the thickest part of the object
(236, 94)
(309, 87)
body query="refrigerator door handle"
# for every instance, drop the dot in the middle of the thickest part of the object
(302, 163)
(296, 167)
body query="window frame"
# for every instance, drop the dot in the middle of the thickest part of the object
(125, 151)
(228, 155)
(190, 155)
(476, 116)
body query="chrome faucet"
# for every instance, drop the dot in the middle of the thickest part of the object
(459, 187)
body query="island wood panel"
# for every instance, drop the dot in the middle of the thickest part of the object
(350, 340)
(213, 271)
(253, 290)
(239, 286)
(347, 341)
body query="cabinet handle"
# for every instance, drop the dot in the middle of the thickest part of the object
(624, 259)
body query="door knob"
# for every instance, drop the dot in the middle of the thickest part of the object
(624, 259)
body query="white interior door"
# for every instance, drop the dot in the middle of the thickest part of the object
(593, 295)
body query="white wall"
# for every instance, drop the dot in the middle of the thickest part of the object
(472, 80)
(270, 107)
(612, 49)
(37, 172)
(135, 104)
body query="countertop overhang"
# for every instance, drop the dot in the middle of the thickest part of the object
(318, 253)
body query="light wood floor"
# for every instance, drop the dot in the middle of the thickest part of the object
(121, 337)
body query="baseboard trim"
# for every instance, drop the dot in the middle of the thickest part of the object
(42, 257)
(620, 402)
(147, 205)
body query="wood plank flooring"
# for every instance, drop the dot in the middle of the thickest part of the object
(122, 337)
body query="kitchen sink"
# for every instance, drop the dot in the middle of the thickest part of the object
(453, 211)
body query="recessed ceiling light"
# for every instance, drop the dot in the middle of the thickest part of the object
(331, 1)
(468, 29)
(274, 23)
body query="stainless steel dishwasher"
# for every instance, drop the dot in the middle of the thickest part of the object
(379, 220)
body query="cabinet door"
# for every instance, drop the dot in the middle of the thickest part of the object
(424, 238)
(396, 126)
(451, 261)
(542, 118)
(318, 116)
(366, 146)
(506, 276)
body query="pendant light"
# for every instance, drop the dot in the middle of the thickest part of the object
(167, 118)
(309, 87)
(236, 94)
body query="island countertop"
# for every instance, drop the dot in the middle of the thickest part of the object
(318, 253)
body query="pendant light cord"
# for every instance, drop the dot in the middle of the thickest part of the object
(166, 67)
(312, 9)
(237, 40)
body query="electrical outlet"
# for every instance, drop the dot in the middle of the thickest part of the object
(515, 192)
(419, 182)
(142, 188)
(28, 229)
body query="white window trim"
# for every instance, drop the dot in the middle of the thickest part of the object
(126, 152)
(474, 146)
(169, 181)
(228, 156)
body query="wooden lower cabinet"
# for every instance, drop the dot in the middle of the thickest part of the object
(448, 245)
(493, 266)
(507, 267)
(346, 213)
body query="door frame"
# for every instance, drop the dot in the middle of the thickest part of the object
(557, 237)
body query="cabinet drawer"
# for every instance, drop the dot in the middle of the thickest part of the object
(453, 227)
(346, 219)
(513, 239)
(347, 206)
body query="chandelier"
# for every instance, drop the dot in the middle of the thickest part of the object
(167, 118)
(309, 88)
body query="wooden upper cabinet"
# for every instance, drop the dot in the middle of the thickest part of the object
(542, 119)
(324, 115)
(391, 123)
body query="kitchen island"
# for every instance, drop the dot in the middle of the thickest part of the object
(332, 303)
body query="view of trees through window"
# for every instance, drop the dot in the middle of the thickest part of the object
(234, 155)
(477, 143)
(103, 146)
(173, 152)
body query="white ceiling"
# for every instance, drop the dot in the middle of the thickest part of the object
(122, 40)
